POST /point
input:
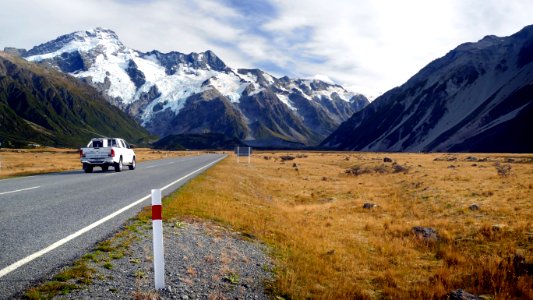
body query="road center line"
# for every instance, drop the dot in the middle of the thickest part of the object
(76, 234)
(21, 190)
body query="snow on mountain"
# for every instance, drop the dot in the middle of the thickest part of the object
(475, 98)
(285, 99)
(160, 85)
(82, 41)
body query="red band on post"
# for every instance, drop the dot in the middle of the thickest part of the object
(157, 212)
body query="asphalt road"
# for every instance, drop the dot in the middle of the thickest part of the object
(38, 211)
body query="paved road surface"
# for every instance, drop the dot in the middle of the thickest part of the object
(37, 211)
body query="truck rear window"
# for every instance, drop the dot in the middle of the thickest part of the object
(98, 144)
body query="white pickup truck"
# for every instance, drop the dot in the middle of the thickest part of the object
(105, 153)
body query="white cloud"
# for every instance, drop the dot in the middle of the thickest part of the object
(323, 77)
(376, 45)
(370, 46)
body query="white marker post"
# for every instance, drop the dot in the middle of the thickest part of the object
(157, 226)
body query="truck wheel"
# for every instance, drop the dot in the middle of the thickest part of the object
(132, 166)
(105, 168)
(118, 166)
(87, 168)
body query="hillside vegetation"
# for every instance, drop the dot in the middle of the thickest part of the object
(39, 105)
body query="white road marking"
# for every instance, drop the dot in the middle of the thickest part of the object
(76, 234)
(21, 190)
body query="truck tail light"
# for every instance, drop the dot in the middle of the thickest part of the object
(112, 153)
(81, 153)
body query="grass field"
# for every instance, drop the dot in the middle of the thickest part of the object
(326, 245)
(309, 208)
(20, 162)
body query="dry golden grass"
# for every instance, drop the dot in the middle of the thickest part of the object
(327, 246)
(20, 162)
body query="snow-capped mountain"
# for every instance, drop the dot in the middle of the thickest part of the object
(172, 93)
(478, 97)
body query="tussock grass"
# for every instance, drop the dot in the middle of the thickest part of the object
(63, 283)
(23, 162)
(50, 289)
(327, 246)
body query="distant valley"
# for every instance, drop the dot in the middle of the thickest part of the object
(476, 98)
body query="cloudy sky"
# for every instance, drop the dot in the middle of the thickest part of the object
(368, 46)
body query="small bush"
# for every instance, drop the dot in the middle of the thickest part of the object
(379, 169)
(232, 278)
(108, 265)
(116, 255)
(140, 274)
(50, 289)
(503, 170)
(104, 246)
(357, 170)
(399, 169)
(287, 157)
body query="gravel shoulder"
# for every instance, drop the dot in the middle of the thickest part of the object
(202, 261)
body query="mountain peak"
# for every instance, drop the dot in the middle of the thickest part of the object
(486, 42)
(210, 58)
(203, 60)
(101, 29)
(76, 41)
(99, 33)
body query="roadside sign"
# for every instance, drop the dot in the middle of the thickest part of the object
(243, 151)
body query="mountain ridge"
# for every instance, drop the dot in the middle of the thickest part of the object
(155, 88)
(476, 94)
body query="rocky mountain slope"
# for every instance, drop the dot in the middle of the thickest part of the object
(174, 93)
(41, 105)
(478, 97)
